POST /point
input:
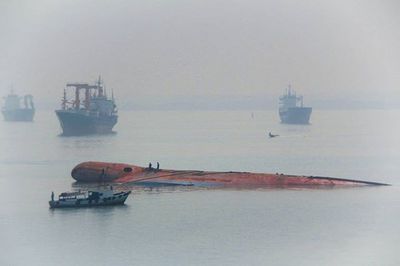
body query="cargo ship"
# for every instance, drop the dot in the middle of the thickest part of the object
(148, 176)
(290, 112)
(96, 114)
(12, 110)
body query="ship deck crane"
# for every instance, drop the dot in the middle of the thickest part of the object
(82, 86)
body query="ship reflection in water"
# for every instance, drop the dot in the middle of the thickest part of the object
(96, 114)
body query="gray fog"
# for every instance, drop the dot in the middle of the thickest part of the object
(205, 54)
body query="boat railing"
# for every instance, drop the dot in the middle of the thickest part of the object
(72, 195)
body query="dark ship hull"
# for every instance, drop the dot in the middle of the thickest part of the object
(295, 115)
(23, 114)
(75, 124)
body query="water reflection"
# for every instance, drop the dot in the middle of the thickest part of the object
(140, 188)
(112, 133)
(135, 187)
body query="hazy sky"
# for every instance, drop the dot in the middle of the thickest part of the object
(195, 53)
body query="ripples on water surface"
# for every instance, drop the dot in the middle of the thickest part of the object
(198, 226)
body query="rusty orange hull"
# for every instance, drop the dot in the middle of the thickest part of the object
(127, 173)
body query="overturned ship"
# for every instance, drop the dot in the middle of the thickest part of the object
(12, 110)
(96, 114)
(290, 112)
(127, 173)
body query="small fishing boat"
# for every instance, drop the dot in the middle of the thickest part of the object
(88, 198)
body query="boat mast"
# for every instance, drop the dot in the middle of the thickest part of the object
(77, 101)
(100, 88)
(64, 100)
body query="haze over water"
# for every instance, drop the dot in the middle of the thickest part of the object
(342, 55)
(198, 226)
(209, 54)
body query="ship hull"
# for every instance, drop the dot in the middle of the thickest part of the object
(25, 115)
(295, 115)
(126, 173)
(76, 124)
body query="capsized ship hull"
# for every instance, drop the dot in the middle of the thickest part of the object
(127, 173)
(75, 124)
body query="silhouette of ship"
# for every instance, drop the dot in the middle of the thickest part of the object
(96, 114)
(12, 110)
(289, 110)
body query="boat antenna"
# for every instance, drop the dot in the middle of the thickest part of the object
(112, 94)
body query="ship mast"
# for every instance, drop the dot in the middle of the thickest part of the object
(64, 100)
(100, 87)
(77, 100)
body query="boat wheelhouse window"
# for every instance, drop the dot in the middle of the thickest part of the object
(127, 169)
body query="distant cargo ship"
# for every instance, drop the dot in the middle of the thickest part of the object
(289, 110)
(96, 114)
(12, 110)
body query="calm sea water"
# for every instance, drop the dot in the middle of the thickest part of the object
(189, 226)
